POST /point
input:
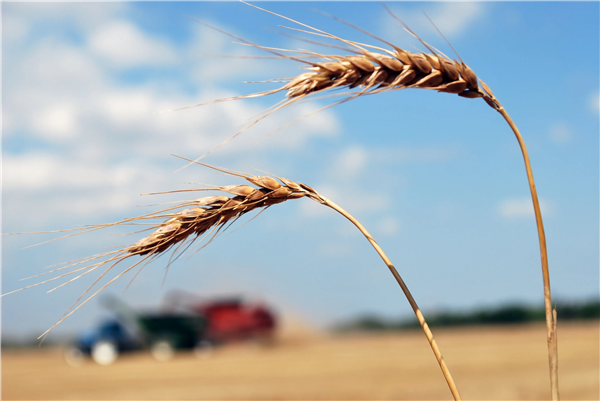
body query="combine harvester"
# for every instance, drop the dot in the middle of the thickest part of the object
(186, 322)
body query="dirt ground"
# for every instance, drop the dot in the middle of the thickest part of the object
(491, 363)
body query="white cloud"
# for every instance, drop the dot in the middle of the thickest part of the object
(455, 18)
(128, 105)
(56, 122)
(108, 142)
(44, 188)
(452, 19)
(14, 27)
(20, 18)
(519, 208)
(41, 171)
(350, 162)
(53, 64)
(125, 46)
(28, 171)
(560, 133)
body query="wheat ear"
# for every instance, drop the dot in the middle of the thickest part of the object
(370, 71)
(211, 214)
(386, 70)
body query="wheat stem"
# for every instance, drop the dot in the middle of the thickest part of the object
(411, 300)
(550, 316)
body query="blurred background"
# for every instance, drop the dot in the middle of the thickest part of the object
(437, 179)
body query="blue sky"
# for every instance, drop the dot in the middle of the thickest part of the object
(437, 179)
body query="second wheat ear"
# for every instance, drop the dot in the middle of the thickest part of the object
(373, 69)
(206, 217)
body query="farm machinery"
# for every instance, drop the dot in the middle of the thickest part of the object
(227, 319)
(185, 322)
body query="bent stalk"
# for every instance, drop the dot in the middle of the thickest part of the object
(550, 316)
(411, 300)
(189, 220)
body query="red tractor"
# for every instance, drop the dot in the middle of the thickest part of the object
(228, 319)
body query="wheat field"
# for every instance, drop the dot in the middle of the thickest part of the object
(489, 363)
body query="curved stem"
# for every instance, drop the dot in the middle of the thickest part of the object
(409, 296)
(550, 316)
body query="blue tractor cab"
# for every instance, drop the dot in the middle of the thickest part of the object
(161, 333)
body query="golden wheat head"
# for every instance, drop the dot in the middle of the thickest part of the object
(369, 69)
(180, 226)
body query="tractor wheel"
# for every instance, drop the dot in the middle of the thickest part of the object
(162, 350)
(105, 352)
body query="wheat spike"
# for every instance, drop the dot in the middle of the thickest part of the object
(201, 217)
(376, 72)
(216, 211)
(181, 226)
(371, 69)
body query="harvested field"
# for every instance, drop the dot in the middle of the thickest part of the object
(490, 363)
